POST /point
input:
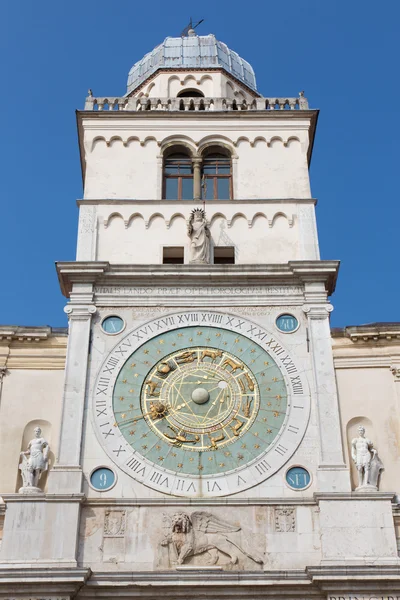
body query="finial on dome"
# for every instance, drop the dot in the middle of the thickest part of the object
(189, 30)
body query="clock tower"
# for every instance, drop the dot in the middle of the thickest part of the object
(198, 304)
(200, 430)
(199, 363)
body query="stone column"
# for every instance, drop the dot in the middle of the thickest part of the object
(196, 178)
(66, 476)
(333, 474)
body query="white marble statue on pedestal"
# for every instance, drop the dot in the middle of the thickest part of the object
(367, 461)
(34, 462)
(199, 234)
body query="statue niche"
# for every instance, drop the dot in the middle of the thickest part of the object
(365, 457)
(35, 461)
(199, 235)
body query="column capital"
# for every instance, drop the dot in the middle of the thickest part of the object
(317, 311)
(80, 312)
(197, 161)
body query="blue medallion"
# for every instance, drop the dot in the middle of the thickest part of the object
(112, 324)
(287, 323)
(102, 479)
(298, 478)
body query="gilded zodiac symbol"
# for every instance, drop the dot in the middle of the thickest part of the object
(235, 428)
(231, 363)
(213, 354)
(185, 357)
(249, 382)
(180, 438)
(214, 440)
(247, 406)
(153, 385)
(158, 410)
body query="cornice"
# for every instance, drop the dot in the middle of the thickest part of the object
(46, 582)
(373, 332)
(280, 115)
(57, 498)
(339, 496)
(236, 201)
(30, 334)
(189, 502)
(104, 273)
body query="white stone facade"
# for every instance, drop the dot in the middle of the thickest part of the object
(156, 530)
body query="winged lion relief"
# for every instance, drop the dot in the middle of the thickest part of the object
(201, 532)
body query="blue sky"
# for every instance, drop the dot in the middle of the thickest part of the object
(344, 54)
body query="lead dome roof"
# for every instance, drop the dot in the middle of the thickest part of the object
(191, 52)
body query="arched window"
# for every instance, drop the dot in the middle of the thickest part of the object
(190, 94)
(178, 175)
(216, 181)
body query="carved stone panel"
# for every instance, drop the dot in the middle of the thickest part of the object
(114, 536)
(285, 519)
(202, 539)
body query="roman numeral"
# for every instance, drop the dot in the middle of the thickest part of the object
(212, 486)
(281, 449)
(263, 467)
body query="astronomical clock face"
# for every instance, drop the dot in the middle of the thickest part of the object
(200, 404)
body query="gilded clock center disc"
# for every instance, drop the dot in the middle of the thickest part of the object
(207, 394)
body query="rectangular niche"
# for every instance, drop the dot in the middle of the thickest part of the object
(224, 255)
(173, 255)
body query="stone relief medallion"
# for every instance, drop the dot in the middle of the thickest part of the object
(200, 404)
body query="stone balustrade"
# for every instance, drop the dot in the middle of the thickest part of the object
(207, 104)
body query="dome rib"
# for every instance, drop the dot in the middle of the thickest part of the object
(192, 52)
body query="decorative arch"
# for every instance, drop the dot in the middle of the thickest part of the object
(204, 78)
(149, 138)
(217, 215)
(258, 138)
(111, 217)
(275, 138)
(256, 216)
(230, 90)
(216, 141)
(97, 140)
(241, 139)
(173, 218)
(178, 141)
(289, 218)
(152, 217)
(190, 93)
(132, 138)
(236, 216)
(115, 138)
(291, 139)
(150, 87)
(132, 217)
